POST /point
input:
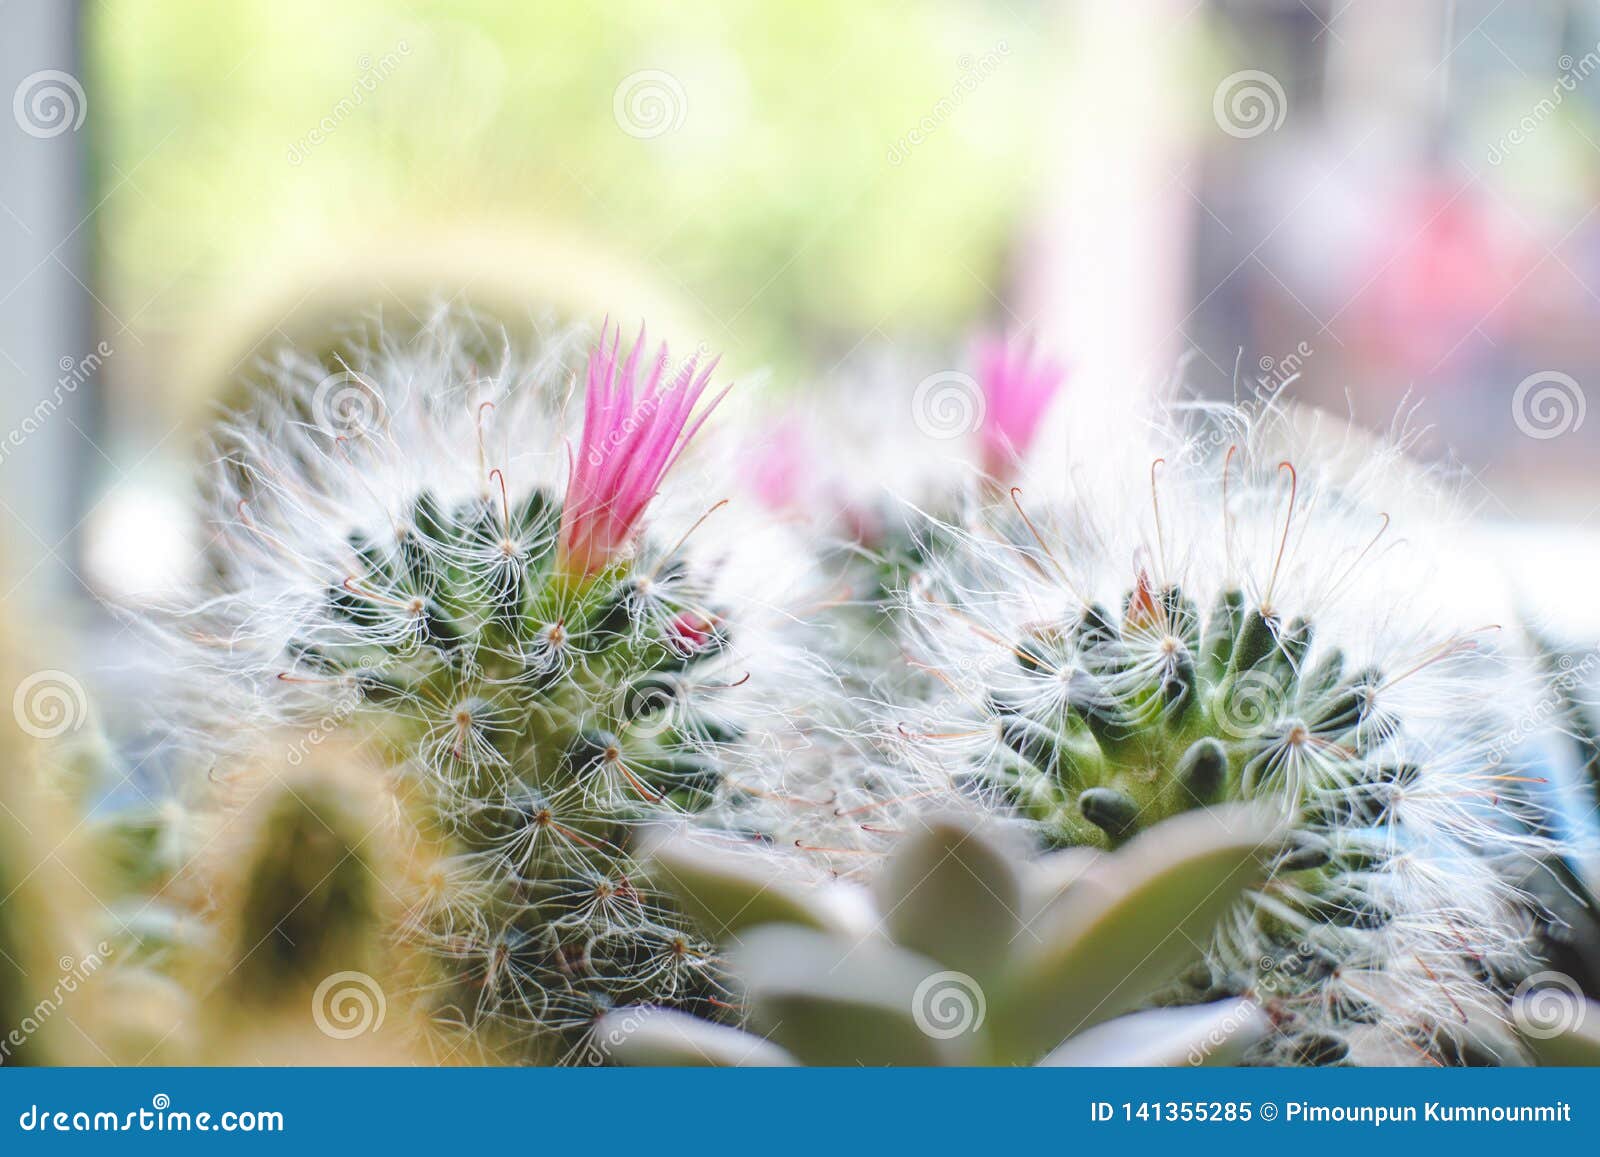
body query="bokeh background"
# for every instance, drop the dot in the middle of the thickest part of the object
(1382, 208)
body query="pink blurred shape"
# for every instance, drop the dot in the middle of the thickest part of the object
(1018, 386)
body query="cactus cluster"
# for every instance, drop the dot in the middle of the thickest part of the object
(544, 674)
(962, 952)
(1183, 754)
(1236, 658)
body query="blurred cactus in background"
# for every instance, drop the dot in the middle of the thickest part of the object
(870, 484)
(296, 894)
(541, 673)
(1229, 620)
(64, 972)
(949, 422)
(935, 448)
(45, 928)
(962, 953)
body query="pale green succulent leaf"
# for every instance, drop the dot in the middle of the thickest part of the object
(1131, 924)
(1205, 1034)
(726, 892)
(847, 1001)
(666, 1037)
(951, 892)
(1570, 1037)
(1050, 879)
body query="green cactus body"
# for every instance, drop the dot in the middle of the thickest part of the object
(1232, 713)
(562, 715)
(1095, 707)
(545, 677)
(308, 905)
(1103, 744)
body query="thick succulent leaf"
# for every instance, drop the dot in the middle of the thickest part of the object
(726, 892)
(1565, 1033)
(1048, 880)
(659, 1036)
(842, 1000)
(1134, 921)
(1206, 1034)
(951, 891)
(1485, 1038)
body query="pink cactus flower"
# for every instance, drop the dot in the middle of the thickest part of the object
(1018, 386)
(780, 465)
(632, 435)
(691, 632)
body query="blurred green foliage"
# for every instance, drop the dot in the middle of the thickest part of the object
(773, 210)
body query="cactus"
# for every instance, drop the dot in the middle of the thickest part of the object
(1247, 651)
(307, 905)
(543, 673)
(810, 469)
(961, 953)
(298, 887)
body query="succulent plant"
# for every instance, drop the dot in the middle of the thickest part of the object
(1557, 1025)
(543, 674)
(1227, 626)
(961, 952)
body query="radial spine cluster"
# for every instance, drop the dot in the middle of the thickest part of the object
(1226, 626)
(412, 562)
